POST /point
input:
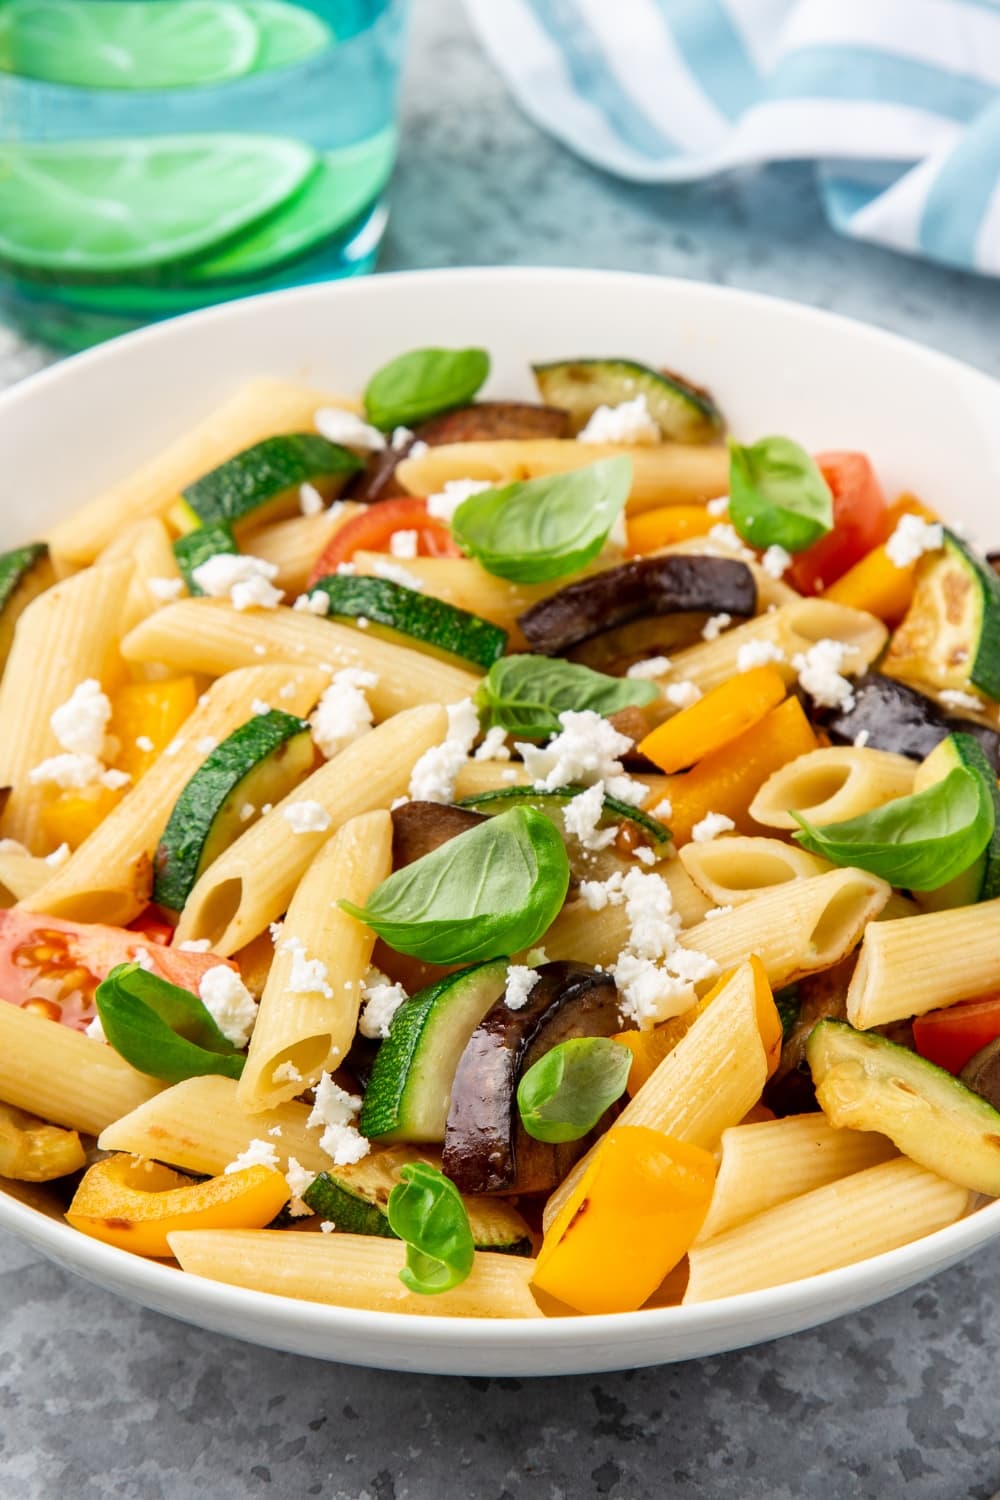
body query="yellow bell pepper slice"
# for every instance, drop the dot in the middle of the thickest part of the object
(32, 1151)
(716, 719)
(631, 1219)
(72, 816)
(666, 525)
(150, 713)
(727, 780)
(136, 1204)
(875, 583)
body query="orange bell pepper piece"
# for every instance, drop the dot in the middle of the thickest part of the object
(632, 1217)
(151, 712)
(71, 816)
(768, 1020)
(875, 583)
(666, 525)
(727, 780)
(135, 1204)
(723, 713)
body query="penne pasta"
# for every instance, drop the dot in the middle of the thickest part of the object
(831, 785)
(256, 411)
(774, 1160)
(305, 1031)
(836, 1225)
(107, 879)
(251, 883)
(294, 545)
(662, 473)
(209, 635)
(732, 870)
(63, 1076)
(916, 964)
(351, 1270)
(21, 873)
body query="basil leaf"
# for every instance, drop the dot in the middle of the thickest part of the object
(161, 1029)
(488, 892)
(539, 529)
(425, 1210)
(777, 495)
(563, 1095)
(420, 384)
(526, 694)
(917, 842)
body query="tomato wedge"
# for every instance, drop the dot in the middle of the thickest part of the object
(370, 530)
(953, 1036)
(54, 967)
(860, 522)
(154, 925)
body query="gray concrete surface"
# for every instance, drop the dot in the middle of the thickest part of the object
(100, 1399)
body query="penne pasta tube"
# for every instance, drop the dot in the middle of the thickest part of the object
(209, 635)
(836, 1225)
(302, 1031)
(21, 873)
(64, 1077)
(774, 1160)
(705, 1084)
(65, 636)
(830, 785)
(733, 870)
(107, 878)
(199, 1126)
(251, 883)
(797, 928)
(257, 411)
(662, 473)
(146, 544)
(478, 776)
(792, 628)
(916, 964)
(294, 545)
(351, 1270)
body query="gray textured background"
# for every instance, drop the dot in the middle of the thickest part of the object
(100, 1399)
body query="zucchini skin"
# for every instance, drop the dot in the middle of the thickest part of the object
(196, 547)
(525, 796)
(425, 621)
(682, 411)
(241, 488)
(14, 565)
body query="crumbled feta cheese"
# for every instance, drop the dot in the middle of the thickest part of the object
(724, 535)
(144, 743)
(246, 812)
(275, 1130)
(333, 1113)
(710, 826)
(142, 957)
(644, 854)
(715, 625)
(776, 561)
(395, 573)
(95, 1030)
(307, 976)
(244, 580)
(403, 544)
(521, 980)
(664, 809)
(401, 437)
(258, 1154)
(955, 698)
(58, 856)
(398, 802)
(913, 537)
(346, 570)
(165, 589)
(286, 1072)
(80, 723)
(649, 993)
(717, 911)
(629, 422)
(655, 975)
(381, 999)
(587, 749)
(229, 1002)
(345, 427)
(757, 654)
(718, 506)
(276, 929)
(819, 673)
(343, 714)
(316, 603)
(582, 815)
(597, 894)
(307, 816)
(509, 774)
(266, 808)
(73, 772)
(310, 500)
(682, 694)
(195, 945)
(433, 777)
(653, 666)
(206, 744)
(258, 706)
(327, 1226)
(299, 1181)
(494, 746)
(649, 906)
(861, 739)
(443, 505)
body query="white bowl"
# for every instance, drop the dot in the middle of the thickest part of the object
(931, 425)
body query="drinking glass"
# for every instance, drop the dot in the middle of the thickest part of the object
(161, 155)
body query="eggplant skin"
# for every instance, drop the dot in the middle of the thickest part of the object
(982, 1073)
(418, 828)
(483, 421)
(486, 1148)
(647, 586)
(897, 717)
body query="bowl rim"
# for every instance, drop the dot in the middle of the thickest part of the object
(160, 1284)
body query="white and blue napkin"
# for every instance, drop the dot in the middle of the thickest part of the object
(896, 101)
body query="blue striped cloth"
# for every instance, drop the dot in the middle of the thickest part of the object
(896, 101)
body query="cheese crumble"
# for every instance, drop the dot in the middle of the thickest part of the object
(521, 980)
(258, 1154)
(229, 1002)
(334, 1112)
(343, 714)
(244, 580)
(307, 816)
(338, 425)
(913, 537)
(629, 422)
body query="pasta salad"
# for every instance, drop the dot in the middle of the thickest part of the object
(447, 841)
